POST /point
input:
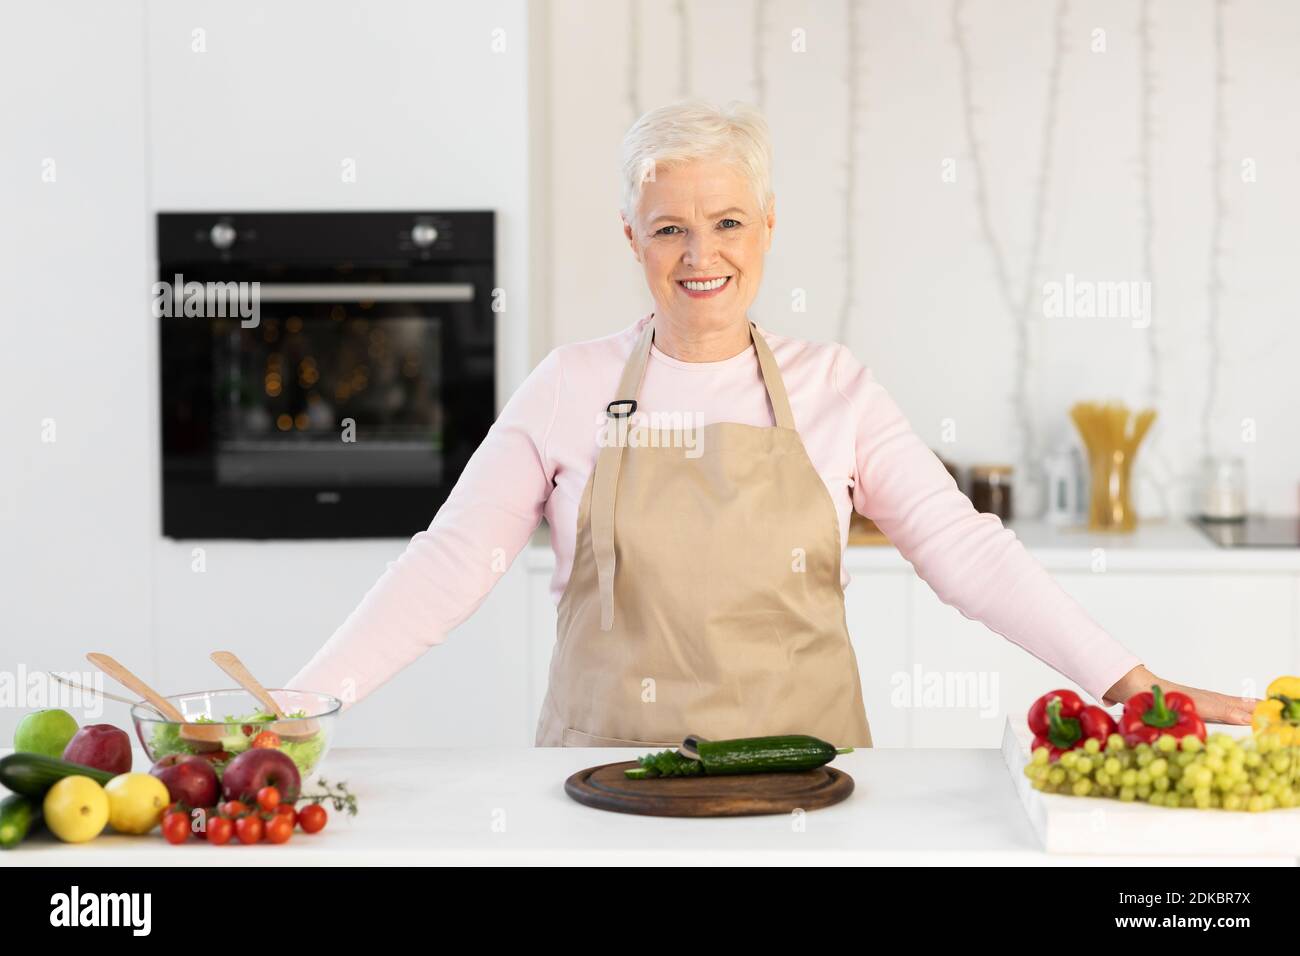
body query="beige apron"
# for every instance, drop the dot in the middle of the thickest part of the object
(726, 616)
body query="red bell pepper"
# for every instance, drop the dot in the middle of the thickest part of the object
(1148, 715)
(1060, 721)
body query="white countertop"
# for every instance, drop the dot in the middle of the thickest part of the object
(1172, 545)
(508, 806)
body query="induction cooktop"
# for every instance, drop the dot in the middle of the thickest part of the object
(1253, 531)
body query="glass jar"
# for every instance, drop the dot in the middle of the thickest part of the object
(990, 490)
(1223, 489)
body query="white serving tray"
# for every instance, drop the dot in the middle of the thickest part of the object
(1098, 825)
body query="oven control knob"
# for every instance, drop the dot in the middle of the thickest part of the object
(222, 235)
(424, 234)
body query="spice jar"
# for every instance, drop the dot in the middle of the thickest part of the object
(990, 490)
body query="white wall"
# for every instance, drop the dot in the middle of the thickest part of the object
(905, 256)
(429, 100)
(78, 513)
(136, 121)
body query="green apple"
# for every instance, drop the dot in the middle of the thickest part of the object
(45, 732)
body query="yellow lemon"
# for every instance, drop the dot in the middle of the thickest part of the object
(76, 809)
(135, 802)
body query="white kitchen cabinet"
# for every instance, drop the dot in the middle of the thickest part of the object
(1228, 620)
(1231, 632)
(876, 608)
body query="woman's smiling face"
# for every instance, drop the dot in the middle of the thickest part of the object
(695, 223)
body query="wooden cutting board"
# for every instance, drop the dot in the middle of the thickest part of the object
(607, 788)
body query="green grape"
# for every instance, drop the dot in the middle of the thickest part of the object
(1092, 745)
(1082, 788)
(1158, 767)
(1056, 776)
(1192, 744)
(1144, 757)
(1129, 778)
(1144, 790)
(1041, 755)
(1143, 776)
(1232, 802)
(1112, 766)
(1115, 743)
(1161, 784)
(1127, 794)
(1083, 765)
(1253, 758)
(1069, 759)
(1102, 778)
(1167, 743)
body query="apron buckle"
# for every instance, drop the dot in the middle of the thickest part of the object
(609, 409)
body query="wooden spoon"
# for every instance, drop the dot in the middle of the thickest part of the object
(293, 728)
(198, 736)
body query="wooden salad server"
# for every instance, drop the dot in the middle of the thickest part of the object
(289, 728)
(200, 736)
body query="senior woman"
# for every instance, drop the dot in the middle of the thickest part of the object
(698, 568)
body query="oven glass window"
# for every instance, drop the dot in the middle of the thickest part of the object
(342, 393)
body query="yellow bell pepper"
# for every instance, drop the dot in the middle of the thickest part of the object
(1278, 715)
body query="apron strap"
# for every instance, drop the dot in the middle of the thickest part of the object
(609, 460)
(776, 392)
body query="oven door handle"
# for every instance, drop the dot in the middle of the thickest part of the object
(366, 291)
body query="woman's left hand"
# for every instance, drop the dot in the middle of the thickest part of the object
(1213, 708)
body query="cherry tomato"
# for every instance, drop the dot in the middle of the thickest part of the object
(234, 808)
(249, 829)
(278, 829)
(176, 827)
(268, 798)
(266, 740)
(312, 818)
(286, 810)
(248, 730)
(220, 830)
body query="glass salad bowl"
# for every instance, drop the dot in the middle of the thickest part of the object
(221, 724)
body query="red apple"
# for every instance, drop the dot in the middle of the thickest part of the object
(101, 746)
(254, 769)
(190, 780)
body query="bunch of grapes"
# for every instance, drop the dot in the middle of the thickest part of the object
(1224, 772)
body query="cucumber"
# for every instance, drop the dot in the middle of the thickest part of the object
(18, 814)
(33, 774)
(785, 754)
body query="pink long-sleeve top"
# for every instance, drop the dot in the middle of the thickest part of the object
(538, 455)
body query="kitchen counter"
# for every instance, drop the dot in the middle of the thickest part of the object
(1162, 545)
(508, 806)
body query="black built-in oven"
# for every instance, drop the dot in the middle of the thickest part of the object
(343, 394)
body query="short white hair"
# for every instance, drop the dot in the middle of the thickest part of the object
(696, 129)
